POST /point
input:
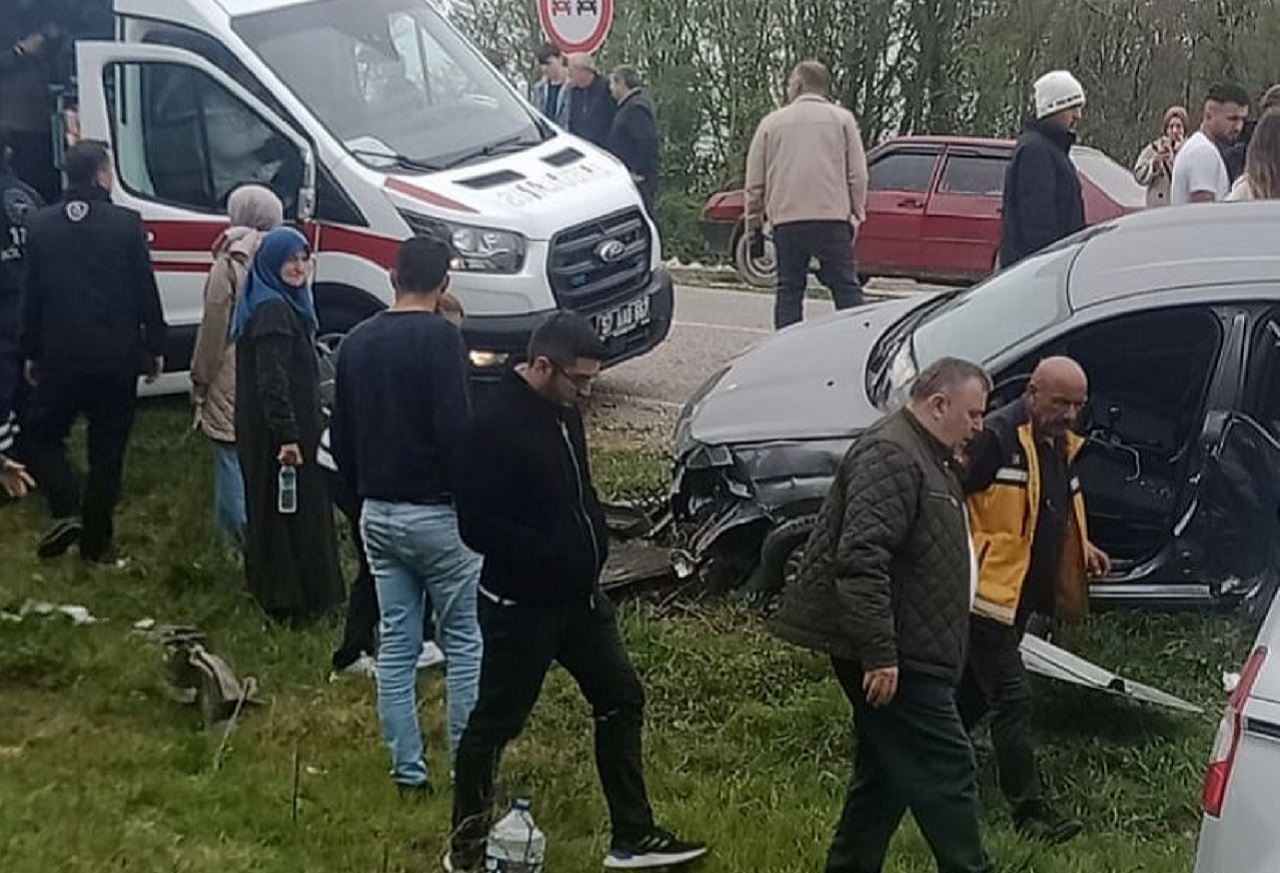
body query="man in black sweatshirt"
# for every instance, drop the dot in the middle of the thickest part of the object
(92, 322)
(526, 503)
(399, 407)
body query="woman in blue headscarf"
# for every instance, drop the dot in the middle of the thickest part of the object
(290, 557)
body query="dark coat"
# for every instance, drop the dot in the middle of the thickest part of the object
(634, 140)
(525, 499)
(886, 578)
(90, 301)
(591, 111)
(1043, 199)
(291, 560)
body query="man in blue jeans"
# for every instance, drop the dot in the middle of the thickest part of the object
(400, 404)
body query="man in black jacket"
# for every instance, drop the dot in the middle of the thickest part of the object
(634, 136)
(92, 323)
(18, 202)
(1043, 200)
(591, 106)
(885, 590)
(527, 505)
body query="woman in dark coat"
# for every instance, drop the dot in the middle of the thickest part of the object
(290, 558)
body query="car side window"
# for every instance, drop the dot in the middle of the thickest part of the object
(973, 174)
(184, 139)
(902, 171)
(1262, 387)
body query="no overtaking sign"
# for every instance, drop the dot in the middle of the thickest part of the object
(576, 25)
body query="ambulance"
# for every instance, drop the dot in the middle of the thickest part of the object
(375, 120)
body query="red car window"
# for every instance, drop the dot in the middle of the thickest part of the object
(902, 171)
(973, 174)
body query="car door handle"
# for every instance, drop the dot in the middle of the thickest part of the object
(911, 203)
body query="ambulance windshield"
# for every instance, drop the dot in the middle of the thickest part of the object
(393, 81)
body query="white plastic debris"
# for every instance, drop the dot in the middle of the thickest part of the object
(1230, 681)
(144, 624)
(78, 614)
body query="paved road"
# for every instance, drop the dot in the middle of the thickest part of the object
(711, 326)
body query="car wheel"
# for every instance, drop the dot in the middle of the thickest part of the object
(756, 272)
(781, 554)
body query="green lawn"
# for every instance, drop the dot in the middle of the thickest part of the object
(747, 740)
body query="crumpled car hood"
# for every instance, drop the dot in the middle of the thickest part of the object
(805, 382)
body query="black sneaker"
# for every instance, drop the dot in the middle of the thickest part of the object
(1038, 821)
(64, 534)
(658, 848)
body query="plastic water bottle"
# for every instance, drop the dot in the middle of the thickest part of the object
(287, 491)
(515, 844)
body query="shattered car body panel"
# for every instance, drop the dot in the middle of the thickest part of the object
(1172, 313)
(1045, 659)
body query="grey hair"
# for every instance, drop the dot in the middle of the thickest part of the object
(581, 60)
(944, 374)
(627, 76)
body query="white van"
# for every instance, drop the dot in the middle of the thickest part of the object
(375, 120)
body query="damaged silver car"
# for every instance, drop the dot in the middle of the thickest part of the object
(1175, 315)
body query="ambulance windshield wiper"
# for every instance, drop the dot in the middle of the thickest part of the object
(404, 162)
(516, 143)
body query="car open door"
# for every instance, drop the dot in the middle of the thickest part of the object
(184, 134)
(1231, 528)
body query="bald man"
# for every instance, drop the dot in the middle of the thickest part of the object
(1034, 558)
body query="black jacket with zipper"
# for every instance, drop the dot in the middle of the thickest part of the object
(1043, 198)
(91, 301)
(525, 499)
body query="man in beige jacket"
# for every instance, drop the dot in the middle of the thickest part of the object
(807, 177)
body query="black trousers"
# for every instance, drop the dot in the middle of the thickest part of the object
(996, 681)
(912, 754)
(520, 644)
(831, 242)
(107, 400)
(362, 603)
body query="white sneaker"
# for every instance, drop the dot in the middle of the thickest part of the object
(431, 656)
(365, 666)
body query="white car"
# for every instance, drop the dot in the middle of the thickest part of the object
(1240, 832)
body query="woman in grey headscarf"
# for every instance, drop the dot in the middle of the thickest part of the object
(253, 210)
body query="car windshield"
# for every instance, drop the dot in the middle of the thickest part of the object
(1114, 180)
(979, 323)
(393, 81)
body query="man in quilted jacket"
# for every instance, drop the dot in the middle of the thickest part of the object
(885, 590)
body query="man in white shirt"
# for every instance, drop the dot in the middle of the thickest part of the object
(1199, 171)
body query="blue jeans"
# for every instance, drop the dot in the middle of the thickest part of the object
(416, 551)
(228, 493)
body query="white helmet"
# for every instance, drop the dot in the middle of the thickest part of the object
(1056, 91)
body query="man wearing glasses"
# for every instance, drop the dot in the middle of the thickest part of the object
(526, 504)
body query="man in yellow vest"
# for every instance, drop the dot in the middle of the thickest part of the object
(1034, 558)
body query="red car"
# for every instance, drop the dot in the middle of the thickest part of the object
(933, 209)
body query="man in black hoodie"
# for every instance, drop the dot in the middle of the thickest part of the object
(92, 323)
(634, 136)
(1043, 201)
(526, 504)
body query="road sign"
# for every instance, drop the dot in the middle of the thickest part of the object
(576, 25)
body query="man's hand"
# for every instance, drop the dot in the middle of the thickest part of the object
(31, 373)
(880, 686)
(1096, 562)
(15, 479)
(31, 44)
(155, 368)
(290, 455)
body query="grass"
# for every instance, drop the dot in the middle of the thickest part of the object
(747, 739)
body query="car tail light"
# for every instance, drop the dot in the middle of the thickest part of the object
(1227, 741)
